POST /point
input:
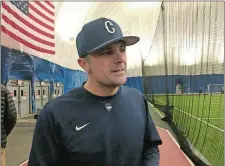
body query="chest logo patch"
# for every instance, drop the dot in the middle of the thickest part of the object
(108, 107)
(81, 127)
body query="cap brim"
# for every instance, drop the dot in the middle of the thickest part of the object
(129, 40)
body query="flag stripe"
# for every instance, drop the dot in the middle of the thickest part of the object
(28, 19)
(29, 30)
(28, 34)
(26, 43)
(31, 25)
(40, 22)
(40, 13)
(43, 7)
(24, 21)
(43, 11)
(9, 42)
(50, 4)
(24, 37)
(31, 12)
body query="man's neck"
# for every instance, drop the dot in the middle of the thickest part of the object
(100, 90)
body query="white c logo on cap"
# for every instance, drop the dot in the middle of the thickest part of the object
(107, 23)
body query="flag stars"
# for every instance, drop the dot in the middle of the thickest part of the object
(21, 5)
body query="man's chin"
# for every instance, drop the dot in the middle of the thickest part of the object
(120, 82)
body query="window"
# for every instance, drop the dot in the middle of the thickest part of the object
(15, 93)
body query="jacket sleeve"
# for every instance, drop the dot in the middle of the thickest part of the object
(10, 113)
(151, 155)
(45, 145)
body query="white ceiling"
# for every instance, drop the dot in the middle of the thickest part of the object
(135, 18)
(72, 15)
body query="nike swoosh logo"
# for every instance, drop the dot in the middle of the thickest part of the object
(79, 128)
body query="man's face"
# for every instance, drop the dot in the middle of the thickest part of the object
(108, 66)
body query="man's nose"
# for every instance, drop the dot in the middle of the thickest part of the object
(120, 56)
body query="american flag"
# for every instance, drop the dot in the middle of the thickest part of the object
(31, 24)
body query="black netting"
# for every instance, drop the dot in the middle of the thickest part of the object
(183, 76)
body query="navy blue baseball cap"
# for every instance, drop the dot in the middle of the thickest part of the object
(99, 33)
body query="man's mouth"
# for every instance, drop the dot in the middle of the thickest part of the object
(117, 71)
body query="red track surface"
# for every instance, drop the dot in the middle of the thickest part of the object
(170, 153)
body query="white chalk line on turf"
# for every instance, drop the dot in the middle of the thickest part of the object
(213, 118)
(195, 117)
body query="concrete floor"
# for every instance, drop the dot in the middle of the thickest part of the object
(19, 142)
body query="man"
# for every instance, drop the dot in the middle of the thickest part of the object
(8, 119)
(101, 123)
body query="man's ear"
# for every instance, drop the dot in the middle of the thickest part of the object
(84, 64)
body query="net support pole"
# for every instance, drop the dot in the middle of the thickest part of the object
(167, 114)
(143, 74)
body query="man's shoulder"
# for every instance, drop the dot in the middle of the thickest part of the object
(132, 94)
(65, 100)
(61, 107)
(71, 95)
(129, 91)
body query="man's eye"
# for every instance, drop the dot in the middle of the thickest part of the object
(107, 53)
(123, 49)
